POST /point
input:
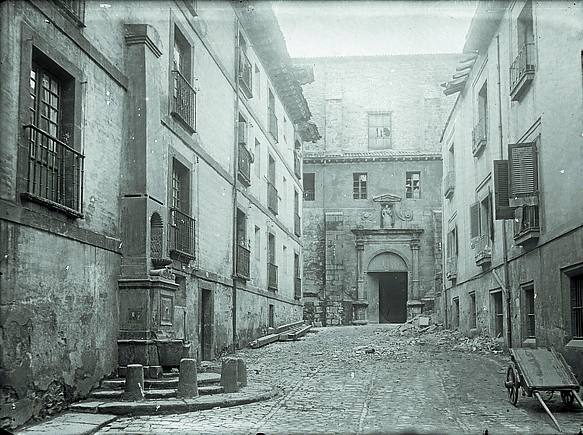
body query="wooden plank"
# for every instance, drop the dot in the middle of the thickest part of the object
(542, 369)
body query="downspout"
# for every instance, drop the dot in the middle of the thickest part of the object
(504, 241)
(235, 172)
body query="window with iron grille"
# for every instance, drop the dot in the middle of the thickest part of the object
(183, 103)
(379, 130)
(54, 169)
(413, 185)
(577, 307)
(498, 314)
(182, 228)
(180, 187)
(472, 310)
(309, 187)
(529, 316)
(359, 180)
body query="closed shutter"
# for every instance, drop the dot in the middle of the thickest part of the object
(523, 169)
(501, 192)
(475, 220)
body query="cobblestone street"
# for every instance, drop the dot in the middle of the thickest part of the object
(330, 384)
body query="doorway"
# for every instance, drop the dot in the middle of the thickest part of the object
(392, 297)
(206, 325)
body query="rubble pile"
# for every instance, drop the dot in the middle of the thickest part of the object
(436, 335)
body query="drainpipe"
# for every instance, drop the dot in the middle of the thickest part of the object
(504, 241)
(235, 172)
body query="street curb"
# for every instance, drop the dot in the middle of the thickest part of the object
(75, 422)
(177, 406)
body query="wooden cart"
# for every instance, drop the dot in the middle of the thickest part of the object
(538, 370)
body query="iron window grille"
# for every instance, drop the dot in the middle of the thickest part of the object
(577, 307)
(183, 100)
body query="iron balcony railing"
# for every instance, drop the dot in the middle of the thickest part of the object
(522, 66)
(479, 135)
(243, 258)
(74, 8)
(182, 234)
(297, 224)
(271, 276)
(244, 162)
(272, 199)
(309, 194)
(184, 100)
(298, 288)
(246, 73)
(297, 164)
(449, 184)
(55, 171)
(529, 221)
(273, 124)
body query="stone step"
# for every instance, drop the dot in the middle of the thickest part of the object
(208, 378)
(154, 393)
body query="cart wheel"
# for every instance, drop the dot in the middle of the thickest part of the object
(567, 397)
(512, 385)
(547, 395)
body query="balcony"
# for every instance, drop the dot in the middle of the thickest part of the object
(451, 268)
(483, 248)
(271, 276)
(309, 194)
(273, 124)
(245, 74)
(243, 256)
(479, 136)
(244, 163)
(297, 225)
(297, 164)
(298, 288)
(526, 225)
(183, 104)
(54, 172)
(272, 199)
(522, 71)
(181, 235)
(449, 184)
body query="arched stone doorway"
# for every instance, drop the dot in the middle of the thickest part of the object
(387, 275)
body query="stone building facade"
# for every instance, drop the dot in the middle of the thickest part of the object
(371, 187)
(149, 169)
(512, 213)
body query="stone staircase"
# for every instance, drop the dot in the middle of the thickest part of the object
(163, 388)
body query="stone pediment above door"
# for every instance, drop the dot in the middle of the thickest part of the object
(386, 198)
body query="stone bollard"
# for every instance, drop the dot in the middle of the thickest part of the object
(134, 385)
(241, 372)
(187, 384)
(229, 375)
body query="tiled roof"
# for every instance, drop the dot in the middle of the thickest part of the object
(403, 154)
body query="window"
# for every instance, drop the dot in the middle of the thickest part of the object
(244, 155)
(472, 310)
(455, 313)
(480, 132)
(182, 225)
(359, 185)
(243, 251)
(271, 314)
(183, 103)
(523, 66)
(498, 313)
(271, 266)
(529, 316)
(283, 260)
(297, 277)
(245, 69)
(297, 218)
(379, 131)
(272, 121)
(481, 222)
(577, 307)
(54, 167)
(257, 159)
(412, 185)
(449, 179)
(309, 187)
(272, 196)
(452, 252)
(257, 82)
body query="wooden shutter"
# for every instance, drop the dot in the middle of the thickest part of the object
(475, 220)
(523, 171)
(501, 192)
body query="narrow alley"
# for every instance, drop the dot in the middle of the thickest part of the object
(333, 382)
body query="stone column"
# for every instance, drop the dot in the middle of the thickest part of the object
(414, 269)
(361, 303)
